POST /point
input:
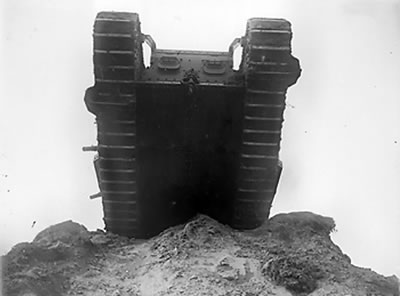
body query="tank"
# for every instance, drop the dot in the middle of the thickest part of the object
(188, 134)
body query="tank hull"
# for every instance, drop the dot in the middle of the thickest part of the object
(188, 134)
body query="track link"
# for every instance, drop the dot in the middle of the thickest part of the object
(269, 70)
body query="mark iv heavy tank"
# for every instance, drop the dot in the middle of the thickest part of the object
(187, 134)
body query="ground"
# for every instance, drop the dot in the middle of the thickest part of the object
(291, 254)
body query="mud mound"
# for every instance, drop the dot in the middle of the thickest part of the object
(68, 233)
(302, 223)
(43, 266)
(201, 233)
(291, 255)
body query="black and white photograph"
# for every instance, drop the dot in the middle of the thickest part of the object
(244, 148)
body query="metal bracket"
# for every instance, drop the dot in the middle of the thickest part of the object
(92, 148)
(149, 41)
(96, 195)
(235, 44)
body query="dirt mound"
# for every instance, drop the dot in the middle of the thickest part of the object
(67, 233)
(43, 266)
(291, 255)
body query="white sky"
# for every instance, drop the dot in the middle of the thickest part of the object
(341, 137)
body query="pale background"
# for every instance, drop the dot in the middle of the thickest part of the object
(341, 137)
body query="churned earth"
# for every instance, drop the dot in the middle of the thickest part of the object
(292, 254)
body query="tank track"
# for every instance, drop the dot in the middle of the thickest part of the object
(269, 70)
(117, 63)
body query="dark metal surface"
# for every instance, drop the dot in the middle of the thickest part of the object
(188, 134)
